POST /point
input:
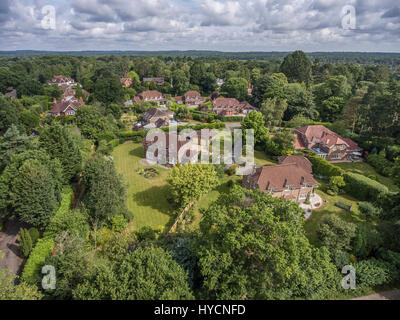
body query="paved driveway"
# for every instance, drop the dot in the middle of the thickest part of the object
(12, 259)
(387, 295)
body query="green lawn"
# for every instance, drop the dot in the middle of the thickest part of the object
(261, 159)
(367, 170)
(147, 198)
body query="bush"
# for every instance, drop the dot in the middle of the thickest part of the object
(118, 223)
(40, 252)
(369, 210)
(363, 188)
(340, 258)
(366, 241)
(381, 164)
(374, 272)
(35, 235)
(323, 167)
(25, 243)
(335, 233)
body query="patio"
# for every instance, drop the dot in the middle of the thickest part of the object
(315, 203)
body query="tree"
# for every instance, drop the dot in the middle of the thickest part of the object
(145, 274)
(336, 183)
(33, 194)
(60, 144)
(255, 121)
(105, 194)
(190, 181)
(369, 210)
(109, 90)
(252, 246)
(273, 111)
(336, 234)
(297, 67)
(300, 101)
(180, 81)
(236, 88)
(281, 143)
(8, 114)
(270, 86)
(14, 143)
(367, 241)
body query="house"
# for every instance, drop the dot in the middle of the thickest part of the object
(301, 161)
(326, 143)
(66, 107)
(288, 181)
(158, 81)
(193, 99)
(231, 106)
(226, 106)
(178, 99)
(126, 82)
(192, 153)
(62, 81)
(250, 89)
(153, 96)
(155, 118)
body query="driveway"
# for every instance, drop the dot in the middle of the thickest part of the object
(387, 295)
(12, 259)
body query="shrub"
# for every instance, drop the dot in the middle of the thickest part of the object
(40, 252)
(369, 210)
(25, 243)
(336, 234)
(374, 272)
(118, 223)
(323, 167)
(340, 258)
(381, 164)
(35, 235)
(336, 184)
(366, 242)
(363, 188)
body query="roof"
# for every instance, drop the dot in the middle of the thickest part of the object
(157, 112)
(226, 102)
(178, 99)
(319, 133)
(280, 177)
(192, 94)
(353, 146)
(301, 161)
(62, 106)
(151, 94)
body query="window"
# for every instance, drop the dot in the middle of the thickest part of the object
(303, 196)
(289, 188)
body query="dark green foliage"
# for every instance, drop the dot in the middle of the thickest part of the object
(181, 252)
(73, 222)
(323, 167)
(105, 192)
(35, 235)
(373, 272)
(236, 88)
(25, 243)
(60, 144)
(369, 210)
(367, 241)
(108, 91)
(146, 274)
(340, 258)
(363, 188)
(297, 67)
(336, 234)
(381, 164)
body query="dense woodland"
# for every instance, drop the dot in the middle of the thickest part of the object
(248, 245)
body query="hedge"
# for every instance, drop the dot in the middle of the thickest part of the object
(40, 252)
(324, 168)
(381, 164)
(363, 188)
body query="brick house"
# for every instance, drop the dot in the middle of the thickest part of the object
(62, 81)
(326, 143)
(288, 181)
(231, 107)
(193, 99)
(301, 161)
(158, 81)
(126, 82)
(155, 118)
(153, 96)
(66, 107)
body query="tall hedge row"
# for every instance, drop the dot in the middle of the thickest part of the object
(363, 188)
(324, 168)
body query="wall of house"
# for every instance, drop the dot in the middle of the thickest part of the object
(294, 194)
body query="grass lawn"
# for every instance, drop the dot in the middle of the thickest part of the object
(367, 170)
(146, 198)
(261, 159)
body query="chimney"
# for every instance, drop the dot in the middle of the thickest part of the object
(284, 184)
(54, 100)
(302, 181)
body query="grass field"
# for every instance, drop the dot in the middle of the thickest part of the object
(366, 170)
(147, 198)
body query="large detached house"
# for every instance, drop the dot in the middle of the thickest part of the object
(231, 106)
(158, 81)
(290, 181)
(62, 81)
(66, 107)
(153, 96)
(326, 144)
(155, 118)
(192, 99)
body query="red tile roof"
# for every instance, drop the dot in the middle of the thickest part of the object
(301, 161)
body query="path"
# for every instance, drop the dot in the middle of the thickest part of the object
(387, 295)
(12, 259)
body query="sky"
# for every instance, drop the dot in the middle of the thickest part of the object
(231, 25)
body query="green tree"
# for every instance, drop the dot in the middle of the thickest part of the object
(190, 181)
(300, 101)
(255, 121)
(336, 234)
(25, 242)
(146, 274)
(109, 90)
(252, 246)
(297, 67)
(273, 111)
(236, 88)
(60, 144)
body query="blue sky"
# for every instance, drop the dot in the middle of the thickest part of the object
(231, 25)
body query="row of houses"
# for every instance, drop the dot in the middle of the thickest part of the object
(69, 103)
(293, 177)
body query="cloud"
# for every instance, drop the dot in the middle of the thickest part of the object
(230, 25)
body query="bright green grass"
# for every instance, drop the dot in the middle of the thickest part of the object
(146, 198)
(261, 159)
(367, 170)
(329, 209)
